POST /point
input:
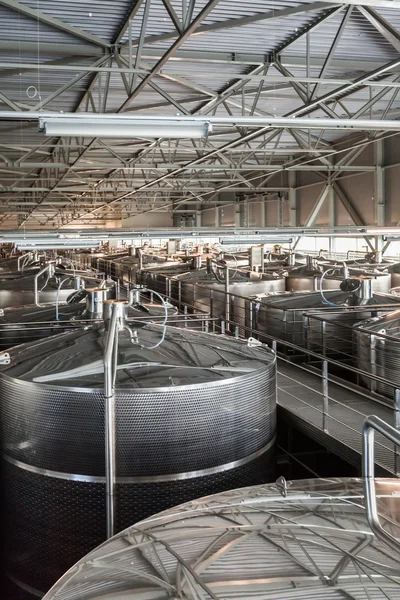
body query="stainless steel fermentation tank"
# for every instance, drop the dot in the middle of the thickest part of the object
(19, 289)
(378, 351)
(269, 542)
(381, 281)
(29, 323)
(195, 415)
(306, 319)
(204, 292)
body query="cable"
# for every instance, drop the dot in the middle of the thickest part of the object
(164, 323)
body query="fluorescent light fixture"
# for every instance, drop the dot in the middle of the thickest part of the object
(391, 238)
(254, 240)
(61, 244)
(124, 128)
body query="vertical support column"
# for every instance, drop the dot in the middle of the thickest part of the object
(198, 218)
(263, 213)
(379, 184)
(332, 216)
(397, 426)
(237, 212)
(217, 220)
(244, 213)
(280, 211)
(325, 396)
(292, 198)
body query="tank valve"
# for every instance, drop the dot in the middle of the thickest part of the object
(4, 358)
(283, 485)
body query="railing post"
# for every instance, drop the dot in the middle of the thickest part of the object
(185, 312)
(222, 326)
(325, 394)
(323, 326)
(237, 332)
(372, 357)
(251, 318)
(397, 426)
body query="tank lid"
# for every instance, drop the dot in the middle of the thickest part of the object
(249, 543)
(306, 300)
(75, 359)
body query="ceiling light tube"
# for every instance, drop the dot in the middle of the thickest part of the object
(124, 128)
(236, 241)
(55, 245)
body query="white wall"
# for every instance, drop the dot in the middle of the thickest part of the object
(149, 221)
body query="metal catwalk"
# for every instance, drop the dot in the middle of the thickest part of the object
(338, 428)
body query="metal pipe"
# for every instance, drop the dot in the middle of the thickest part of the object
(35, 283)
(372, 424)
(364, 292)
(227, 297)
(110, 357)
(22, 258)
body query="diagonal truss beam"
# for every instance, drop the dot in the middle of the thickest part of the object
(23, 9)
(381, 25)
(211, 4)
(240, 22)
(333, 48)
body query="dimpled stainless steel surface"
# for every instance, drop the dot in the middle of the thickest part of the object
(197, 402)
(299, 540)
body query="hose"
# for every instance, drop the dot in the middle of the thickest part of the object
(164, 323)
(325, 300)
(57, 293)
(71, 263)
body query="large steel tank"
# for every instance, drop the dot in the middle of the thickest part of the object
(20, 290)
(22, 324)
(202, 292)
(394, 271)
(299, 540)
(322, 324)
(378, 351)
(195, 415)
(381, 282)
(308, 278)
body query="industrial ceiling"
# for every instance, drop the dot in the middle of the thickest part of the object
(204, 58)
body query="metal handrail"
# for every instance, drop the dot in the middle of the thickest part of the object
(372, 424)
(251, 332)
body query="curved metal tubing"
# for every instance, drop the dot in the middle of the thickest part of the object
(372, 424)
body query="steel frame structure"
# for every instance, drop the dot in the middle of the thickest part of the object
(68, 182)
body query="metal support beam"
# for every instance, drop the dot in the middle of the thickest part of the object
(211, 4)
(385, 29)
(333, 47)
(380, 184)
(292, 199)
(37, 15)
(242, 21)
(317, 207)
